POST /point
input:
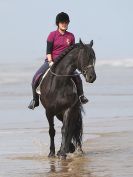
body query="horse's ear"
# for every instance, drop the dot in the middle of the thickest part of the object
(91, 43)
(80, 41)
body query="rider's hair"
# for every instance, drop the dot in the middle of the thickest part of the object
(62, 17)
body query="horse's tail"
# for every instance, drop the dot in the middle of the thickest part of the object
(73, 126)
(77, 134)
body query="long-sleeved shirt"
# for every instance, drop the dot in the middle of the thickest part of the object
(57, 43)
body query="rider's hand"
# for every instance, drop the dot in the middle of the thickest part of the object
(50, 63)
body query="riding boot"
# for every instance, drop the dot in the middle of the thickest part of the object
(79, 85)
(35, 82)
(35, 101)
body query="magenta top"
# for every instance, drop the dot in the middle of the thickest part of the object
(60, 42)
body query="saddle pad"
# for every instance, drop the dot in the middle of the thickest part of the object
(39, 86)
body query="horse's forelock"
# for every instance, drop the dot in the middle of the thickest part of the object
(93, 55)
(88, 48)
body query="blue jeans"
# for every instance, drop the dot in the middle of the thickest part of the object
(39, 73)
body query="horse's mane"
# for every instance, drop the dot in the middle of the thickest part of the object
(64, 53)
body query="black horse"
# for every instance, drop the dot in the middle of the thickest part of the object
(59, 95)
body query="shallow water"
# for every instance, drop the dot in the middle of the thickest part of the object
(106, 153)
(108, 131)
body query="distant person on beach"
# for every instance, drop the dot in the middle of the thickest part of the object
(57, 42)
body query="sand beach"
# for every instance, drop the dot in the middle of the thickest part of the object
(108, 130)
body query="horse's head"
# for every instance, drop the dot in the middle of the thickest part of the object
(86, 61)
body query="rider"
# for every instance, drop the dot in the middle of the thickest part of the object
(57, 42)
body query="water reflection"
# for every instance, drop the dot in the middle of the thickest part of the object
(76, 166)
(41, 166)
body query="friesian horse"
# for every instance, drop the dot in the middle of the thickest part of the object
(59, 95)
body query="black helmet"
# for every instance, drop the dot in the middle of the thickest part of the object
(62, 17)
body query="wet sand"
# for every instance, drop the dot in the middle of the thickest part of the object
(107, 153)
(108, 130)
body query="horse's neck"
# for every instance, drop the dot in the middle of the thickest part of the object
(67, 64)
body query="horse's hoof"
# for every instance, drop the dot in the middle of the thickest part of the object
(71, 148)
(79, 151)
(51, 155)
(61, 156)
(58, 153)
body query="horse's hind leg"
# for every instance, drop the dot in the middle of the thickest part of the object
(78, 130)
(67, 133)
(72, 130)
(60, 117)
(52, 134)
(71, 146)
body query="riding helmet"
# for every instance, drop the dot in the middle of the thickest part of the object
(62, 17)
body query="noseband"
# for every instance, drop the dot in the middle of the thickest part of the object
(84, 71)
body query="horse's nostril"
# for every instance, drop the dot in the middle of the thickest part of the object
(90, 77)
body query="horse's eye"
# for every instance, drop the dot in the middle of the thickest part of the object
(84, 71)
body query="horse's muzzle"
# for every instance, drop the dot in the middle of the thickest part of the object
(90, 78)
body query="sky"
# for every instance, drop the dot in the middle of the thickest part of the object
(25, 25)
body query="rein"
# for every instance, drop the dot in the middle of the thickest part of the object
(71, 75)
(60, 75)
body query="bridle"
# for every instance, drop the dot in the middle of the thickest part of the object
(83, 71)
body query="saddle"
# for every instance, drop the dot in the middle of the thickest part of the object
(38, 91)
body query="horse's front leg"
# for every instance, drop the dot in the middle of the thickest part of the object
(51, 134)
(62, 152)
(66, 137)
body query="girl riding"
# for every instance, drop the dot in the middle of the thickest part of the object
(57, 42)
